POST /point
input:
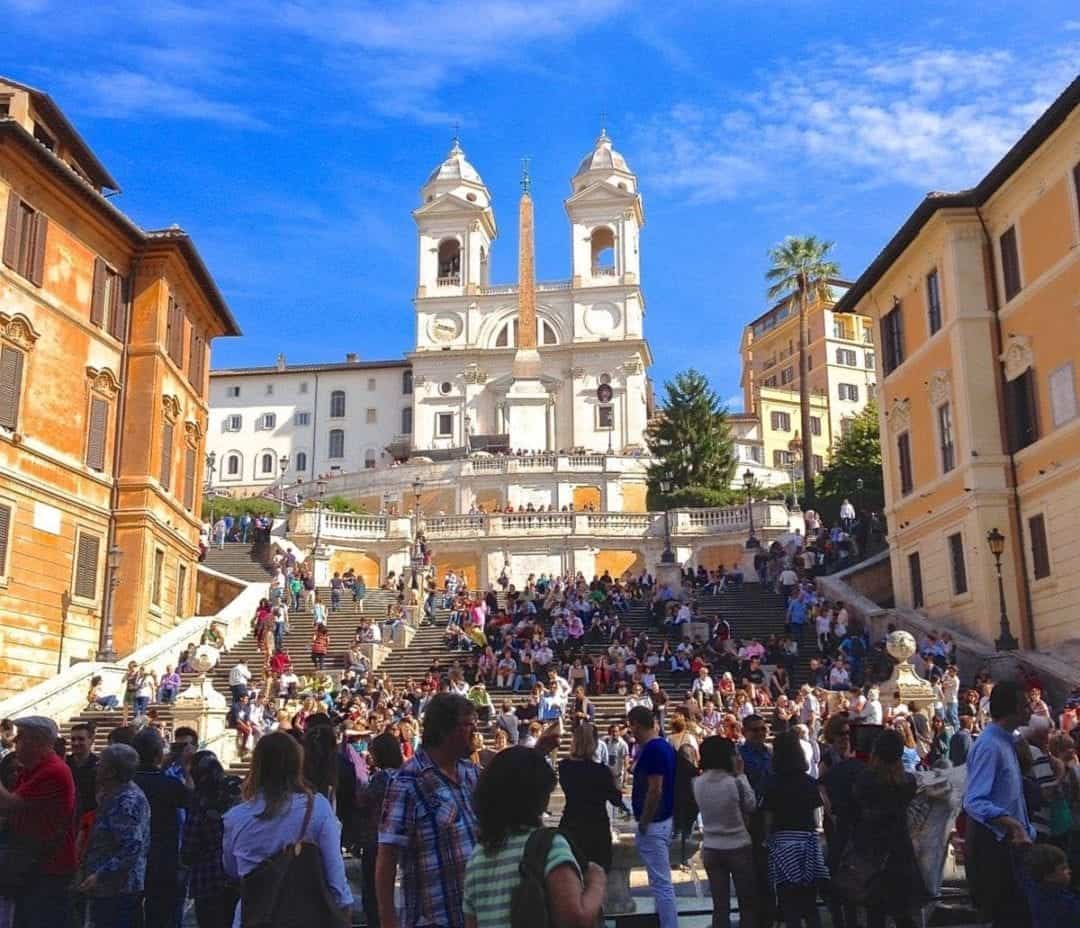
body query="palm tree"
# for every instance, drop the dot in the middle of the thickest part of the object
(801, 270)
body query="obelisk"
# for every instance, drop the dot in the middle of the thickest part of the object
(527, 400)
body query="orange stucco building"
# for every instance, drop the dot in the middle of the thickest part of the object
(976, 300)
(105, 334)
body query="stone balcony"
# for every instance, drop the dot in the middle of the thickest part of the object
(685, 524)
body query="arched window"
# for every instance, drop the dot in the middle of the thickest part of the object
(301, 461)
(234, 464)
(337, 404)
(266, 463)
(369, 459)
(508, 334)
(603, 252)
(337, 443)
(406, 382)
(406, 420)
(449, 262)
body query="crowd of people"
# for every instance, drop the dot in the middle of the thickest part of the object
(443, 782)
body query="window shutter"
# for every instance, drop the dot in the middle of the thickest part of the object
(181, 588)
(37, 260)
(5, 531)
(189, 479)
(95, 442)
(118, 317)
(166, 456)
(11, 230)
(11, 367)
(195, 360)
(86, 566)
(97, 292)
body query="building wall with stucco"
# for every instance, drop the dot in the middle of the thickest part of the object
(86, 391)
(990, 344)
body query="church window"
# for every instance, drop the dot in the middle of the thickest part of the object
(449, 262)
(603, 252)
(446, 387)
(605, 417)
(444, 424)
(406, 420)
(471, 197)
(406, 382)
(547, 333)
(503, 338)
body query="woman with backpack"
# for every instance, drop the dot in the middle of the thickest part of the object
(284, 835)
(510, 798)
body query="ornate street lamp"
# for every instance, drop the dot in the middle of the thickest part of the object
(284, 465)
(748, 484)
(106, 651)
(794, 456)
(320, 485)
(1006, 641)
(858, 496)
(668, 557)
(417, 560)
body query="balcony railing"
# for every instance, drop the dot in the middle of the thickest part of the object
(586, 461)
(453, 281)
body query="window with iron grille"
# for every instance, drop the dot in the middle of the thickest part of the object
(1010, 263)
(892, 339)
(956, 562)
(1040, 552)
(933, 302)
(945, 438)
(915, 573)
(903, 458)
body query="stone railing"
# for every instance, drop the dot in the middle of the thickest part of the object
(487, 465)
(683, 523)
(65, 694)
(534, 461)
(585, 461)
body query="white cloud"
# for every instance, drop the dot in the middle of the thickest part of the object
(122, 93)
(929, 118)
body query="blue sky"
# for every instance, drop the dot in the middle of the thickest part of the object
(290, 139)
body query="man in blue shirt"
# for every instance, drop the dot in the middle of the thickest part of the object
(653, 799)
(998, 824)
(757, 765)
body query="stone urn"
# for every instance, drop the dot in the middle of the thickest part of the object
(912, 688)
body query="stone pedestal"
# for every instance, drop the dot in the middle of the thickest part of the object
(402, 636)
(624, 857)
(375, 654)
(669, 575)
(320, 559)
(526, 404)
(203, 708)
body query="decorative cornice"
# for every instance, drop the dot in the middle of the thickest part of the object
(900, 416)
(193, 432)
(939, 386)
(103, 381)
(633, 365)
(18, 330)
(1017, 356)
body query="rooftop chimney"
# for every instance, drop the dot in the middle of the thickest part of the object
(281, 362)
(351, 357)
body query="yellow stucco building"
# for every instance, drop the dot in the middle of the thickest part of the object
(104, 357)
(842, 375)
(976, 301)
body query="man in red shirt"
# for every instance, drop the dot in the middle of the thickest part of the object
(42, 808)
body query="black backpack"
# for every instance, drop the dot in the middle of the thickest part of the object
(528, 903)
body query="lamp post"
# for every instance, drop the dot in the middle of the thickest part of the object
(794, 456)
(106, 651)
(1006, 641)
(417, 559)
(211, 463)
(748, 484)
(320, 485)
(284, 465)
(668, 557)
(858, 497)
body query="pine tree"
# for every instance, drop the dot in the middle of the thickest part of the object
(856, 456)
(690, 439)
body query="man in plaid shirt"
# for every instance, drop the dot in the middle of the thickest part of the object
(428, 823)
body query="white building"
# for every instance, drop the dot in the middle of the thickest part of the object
(318, 418)
(449, 397)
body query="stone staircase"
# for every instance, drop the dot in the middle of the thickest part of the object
(243, 561)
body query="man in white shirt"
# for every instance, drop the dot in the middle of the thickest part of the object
(873, 713)
(239, 680)
(789, 580)
(847, 515)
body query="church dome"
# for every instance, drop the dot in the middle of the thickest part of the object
(455, 168)
(603, 158)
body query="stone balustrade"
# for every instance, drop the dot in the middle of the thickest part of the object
(683, 524)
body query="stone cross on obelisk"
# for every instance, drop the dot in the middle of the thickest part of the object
(527, 400)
